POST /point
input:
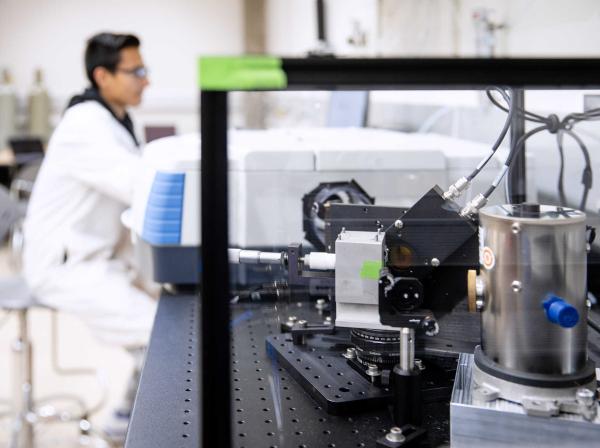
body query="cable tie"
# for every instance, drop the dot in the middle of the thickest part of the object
(553, 123)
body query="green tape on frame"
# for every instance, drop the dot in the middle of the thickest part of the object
(370, 269)
(241, 73)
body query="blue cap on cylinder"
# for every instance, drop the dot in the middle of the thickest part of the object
(560, 312)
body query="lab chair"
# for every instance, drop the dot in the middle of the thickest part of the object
(16, 298)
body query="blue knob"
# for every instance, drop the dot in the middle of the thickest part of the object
(560, 312)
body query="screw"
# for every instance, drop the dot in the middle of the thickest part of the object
(350, 353)
(516, 228)
(430, 326)
(373, 370)
(302, 323)
(435, 262)
(516, 286)
(290, 322)
(84, 425)
(398, 224)
(585, 397)
(395, 435)
(419, 364)
(321, 304)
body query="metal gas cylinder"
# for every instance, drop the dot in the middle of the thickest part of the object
(533, 266)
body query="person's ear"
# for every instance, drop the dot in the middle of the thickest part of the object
(100, 75)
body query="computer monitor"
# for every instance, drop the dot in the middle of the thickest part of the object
(156, 132)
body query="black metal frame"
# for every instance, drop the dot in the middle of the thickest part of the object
(215, 393)
(517, 176)
(326, 74)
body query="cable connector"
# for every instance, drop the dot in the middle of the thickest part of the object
(473, 206)
(457, 188)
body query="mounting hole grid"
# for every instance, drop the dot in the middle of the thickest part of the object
(271, 409)
(274, 411)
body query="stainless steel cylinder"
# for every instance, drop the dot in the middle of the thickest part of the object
(531, 255)
(407, 349)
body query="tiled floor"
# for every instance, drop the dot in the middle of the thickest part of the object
(77, 349)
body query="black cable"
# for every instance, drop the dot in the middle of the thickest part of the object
(561, 190)
(511, 155)
(511, 111)
(555, 126)
(593, 324)
(523, 113)
(519, 145)
(587, 175)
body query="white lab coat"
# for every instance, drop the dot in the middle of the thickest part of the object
(77, 254)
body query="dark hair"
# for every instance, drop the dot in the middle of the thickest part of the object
(103, 51)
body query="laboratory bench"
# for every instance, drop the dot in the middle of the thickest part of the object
(270, 408)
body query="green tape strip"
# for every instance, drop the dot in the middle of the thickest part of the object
(370, 269)
(240, 73)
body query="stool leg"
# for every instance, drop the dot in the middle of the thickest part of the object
(22, 433)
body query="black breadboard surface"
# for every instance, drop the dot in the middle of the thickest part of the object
(271, 409)
(166, 411)
(325, 374)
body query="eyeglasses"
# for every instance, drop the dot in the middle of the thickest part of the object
(138, 72)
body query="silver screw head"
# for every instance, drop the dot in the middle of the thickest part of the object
(373, 370)
(585, 396)
(516, 286)
(398, 224)
(435, 262)
(85, 425)
(291, 321)
(516, 228)
(302, 323)
(395, 435)
(350, 353)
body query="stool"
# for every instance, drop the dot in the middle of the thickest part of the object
(15, 297)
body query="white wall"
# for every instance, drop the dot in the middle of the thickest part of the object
(433, 28)
(51, 34)
(437, 27)
(292, 26)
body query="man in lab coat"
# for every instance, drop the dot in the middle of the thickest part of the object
(77, 254)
